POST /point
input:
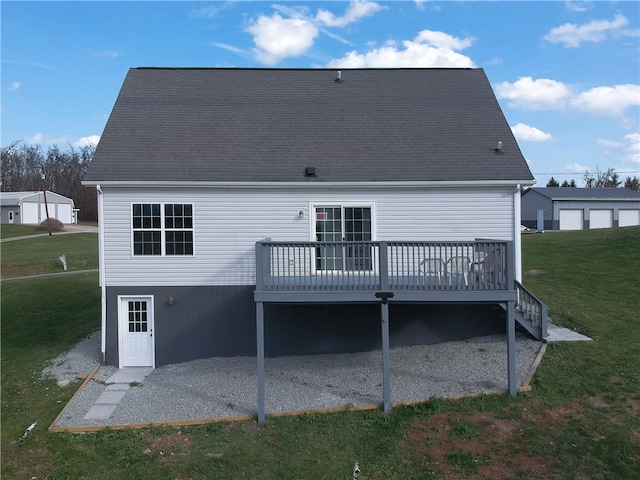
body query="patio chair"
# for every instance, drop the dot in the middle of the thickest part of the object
(432, 267)
(459, 267)
(491, 270)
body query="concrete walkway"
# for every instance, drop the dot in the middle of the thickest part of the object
(117, 385)
(561, 334)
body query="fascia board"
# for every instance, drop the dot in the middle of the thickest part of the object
(310, 185)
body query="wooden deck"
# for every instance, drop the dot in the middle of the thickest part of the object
(482, 271)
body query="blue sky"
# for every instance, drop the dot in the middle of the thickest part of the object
(566, 74)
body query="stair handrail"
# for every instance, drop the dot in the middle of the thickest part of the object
(531, 307)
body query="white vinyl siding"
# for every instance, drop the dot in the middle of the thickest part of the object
(600, 219)
(628, 218)
(228, 222)
(570, 219)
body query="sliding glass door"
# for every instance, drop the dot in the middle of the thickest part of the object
(349, 224)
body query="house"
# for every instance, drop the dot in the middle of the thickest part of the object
(33, 207)
(286, 211)
(568, 208)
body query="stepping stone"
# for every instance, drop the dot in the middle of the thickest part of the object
(129, 375)
(100, 412)
(111, 397)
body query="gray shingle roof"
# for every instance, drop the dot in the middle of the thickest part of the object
(268, 125)
(565, 193)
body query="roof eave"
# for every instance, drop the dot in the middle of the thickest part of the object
(275, 185)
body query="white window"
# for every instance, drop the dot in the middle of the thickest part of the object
(162, 229)
(352, 226)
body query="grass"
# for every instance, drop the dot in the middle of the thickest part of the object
(581, 420)
(40, 255)
(10, 231)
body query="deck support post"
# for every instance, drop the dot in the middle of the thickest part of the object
(386, 359)
(511, 348)
(260, 355)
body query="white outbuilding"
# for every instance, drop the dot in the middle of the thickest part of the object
(30, 207)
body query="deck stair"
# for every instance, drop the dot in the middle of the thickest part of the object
(530, 312)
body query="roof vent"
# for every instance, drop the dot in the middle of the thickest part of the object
(310, 172)
(339, 77)
(498, 147)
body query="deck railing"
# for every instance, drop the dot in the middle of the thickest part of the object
(384, 265)
(532, 308)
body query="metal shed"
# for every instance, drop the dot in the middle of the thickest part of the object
(30, 207)
(570, 208)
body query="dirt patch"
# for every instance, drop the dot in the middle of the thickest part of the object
(477, 446)
(482, 446)
(169, 447)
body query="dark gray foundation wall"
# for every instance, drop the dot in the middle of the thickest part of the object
(208, 322)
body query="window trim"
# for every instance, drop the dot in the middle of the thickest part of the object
(163, 230)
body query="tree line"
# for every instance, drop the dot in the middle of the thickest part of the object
(600, 179)
(27, 168)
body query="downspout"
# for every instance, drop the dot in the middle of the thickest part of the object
(517, 236)
(103, 288)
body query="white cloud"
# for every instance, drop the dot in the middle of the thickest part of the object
(443, 40)
(428, 49)
(530, 134)
(608, 101)
(291, 31)
(14, 86)
(46, 140)
(40, 138)
(210, 11)
(540, 94)
(277, 38)
(633, 147)
(608, 143)
(576, 168)
(335, 37)
(356, 10)
(579, 6)
(229, 48)
(420, 4)
(572, 35)
(91, 140)
(629, 146)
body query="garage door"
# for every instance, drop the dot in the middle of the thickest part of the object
(628, 218)
(570, 219)
(64, 212)
(601, 219)
(29, 213)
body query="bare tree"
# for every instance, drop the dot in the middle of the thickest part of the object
(602, 179)
(22, 167)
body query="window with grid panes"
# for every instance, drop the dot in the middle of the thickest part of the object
(162, 229)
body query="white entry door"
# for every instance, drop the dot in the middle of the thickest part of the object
(11, 216)
(136, 332)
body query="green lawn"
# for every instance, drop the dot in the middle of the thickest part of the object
(9, 231)
(40, 255)
(580, 421)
